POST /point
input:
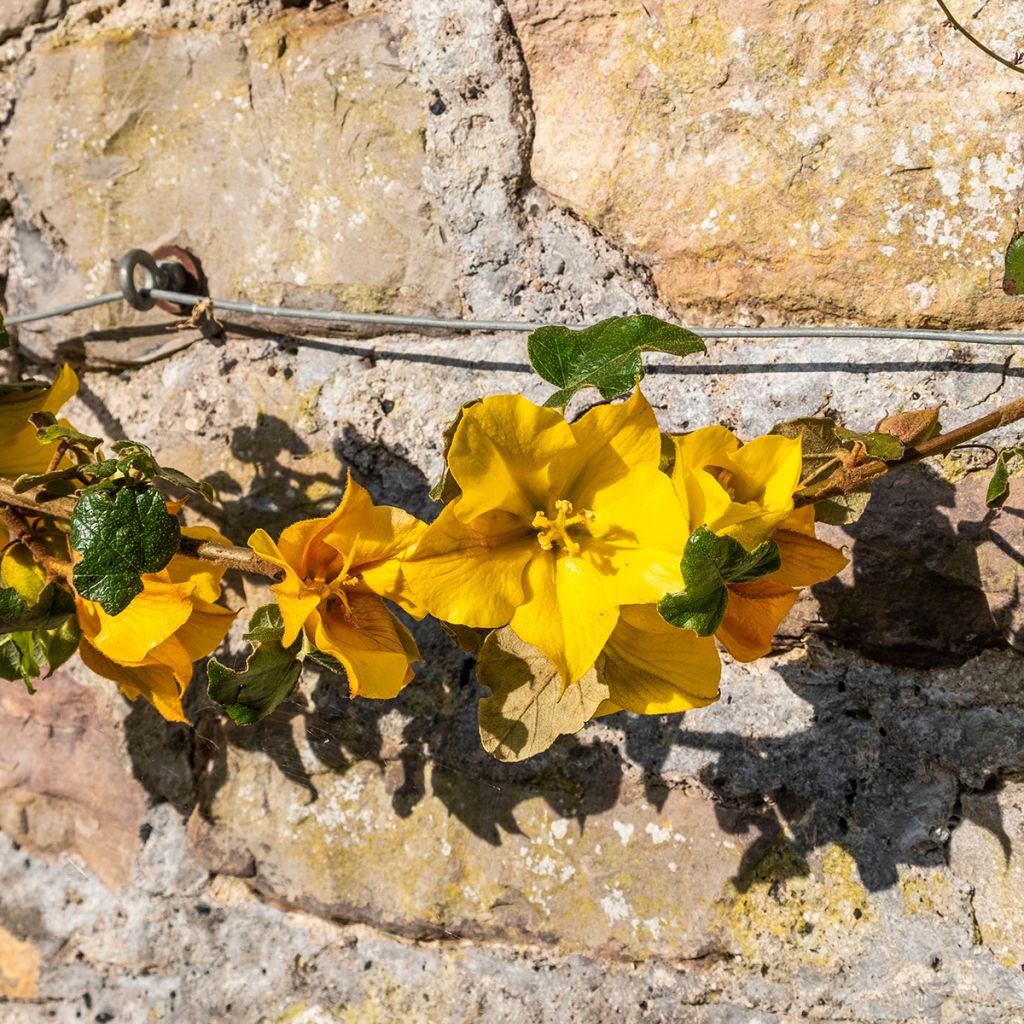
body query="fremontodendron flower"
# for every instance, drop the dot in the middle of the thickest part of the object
(557, 526)
(149, 648)
(337, 570)
(20, 451)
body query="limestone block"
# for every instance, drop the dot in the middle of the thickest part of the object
(983, 854)
(857, 161)
(65, 786)
(287, 156)
(584, 867)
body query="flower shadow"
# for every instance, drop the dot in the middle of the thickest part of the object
(907, 731)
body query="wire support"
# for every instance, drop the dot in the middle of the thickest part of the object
(162, 276)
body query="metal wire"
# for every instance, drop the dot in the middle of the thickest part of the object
(443, 323)
(70, 307)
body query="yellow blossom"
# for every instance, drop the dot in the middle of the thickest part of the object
(149, 648)
(736, 490)
(556, 527)
(745, 491)
(337, 570)
(20, 451)
(755, 610)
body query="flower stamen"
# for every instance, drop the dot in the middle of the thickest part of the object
(551, 532)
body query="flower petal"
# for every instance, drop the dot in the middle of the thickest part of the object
(767, 470)
(805, 560)
(372, 533)
(461, 575)
(653, 668)
(205, 629)
(567, 612)
(752, 617)
(501, 453)
(611, 439)
(148, 621)
(156, 683)
(375, 648)
(638, 537)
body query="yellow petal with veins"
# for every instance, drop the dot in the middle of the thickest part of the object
(375, 648)
(501, 454)
(626, 436)
(462, 575)
(568, 612)
(752, 616)
(653, 668)
(156, 683)
(148, 621)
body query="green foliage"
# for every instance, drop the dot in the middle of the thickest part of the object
(52, 607)
(120, 537)
(709, 564)
(270, 674)
(133, 464)
(1013, 266)
(999, 485)
(607, 356)
(36, 633)
(5, 337)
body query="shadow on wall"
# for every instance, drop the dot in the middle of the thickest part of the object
(880, 770)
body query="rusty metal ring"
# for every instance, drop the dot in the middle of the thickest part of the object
(194, 279)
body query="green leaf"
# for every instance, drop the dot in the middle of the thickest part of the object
(1013, 272)
(821, 449)
(446, 488)
(52, 608)
(877, 446)
(18, 658)
(5, 337)
(48, 432)
(709, 564)
(842, 510)
(527, 709)
(270, 674)
(606, 356)
(119, 538)
(58, 645)
(999, 485)
(179, 479)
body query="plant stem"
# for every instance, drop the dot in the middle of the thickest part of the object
(61, 508)
(977, 42)
(847, 479)
(21, 531)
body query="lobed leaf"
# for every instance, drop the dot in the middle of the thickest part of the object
(120, 537)
(528, 708)
(606, 356)
(709, 564)
(270, 674)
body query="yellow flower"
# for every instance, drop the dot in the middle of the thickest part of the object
(337, 569)
(746, 491)
(736, 490)
(756, 609)
(556, 527)
(149, 648)
(20, 452)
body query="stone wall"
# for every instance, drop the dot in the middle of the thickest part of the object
(840, 837)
